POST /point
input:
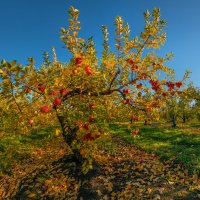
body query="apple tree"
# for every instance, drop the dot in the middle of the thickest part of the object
(83, 92)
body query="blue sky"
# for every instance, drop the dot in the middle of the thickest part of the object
(28, 28)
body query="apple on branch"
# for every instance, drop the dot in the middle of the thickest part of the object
(45, 109)
(74, 71)
(78, 61)
(41, 87)
(30, 121)
(57, 101)
(54, 93)
(63, 91)
(88, 70)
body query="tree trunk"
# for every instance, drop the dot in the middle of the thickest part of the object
(174, 121)
(69, 134)
(184, 119)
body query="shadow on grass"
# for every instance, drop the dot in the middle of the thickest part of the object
(17, 147)
(35, 136)
(195, 125)
(184, 147)
(59, 180)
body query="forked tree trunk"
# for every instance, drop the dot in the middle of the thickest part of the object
(69, 134)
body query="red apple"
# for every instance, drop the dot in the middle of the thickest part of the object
(92, 105)
(41, 87)
(130, 61)
(45, 109)
(139, 85)
(170, 85)
(124, 101)
(54, 93)
(78, 61)
(172, 93)
(57, 101)
(164, 94)
(63, 91)
(74, 71)
(88, 70)
(179, 92)
(30, 121)
(128, 101)
(135, 132)
(87, 67)
(86, 126)
(126, 91)
(135, 68)
(27, 90)
(178, 84)
(88, 136)
(91, 118)
(134, 117)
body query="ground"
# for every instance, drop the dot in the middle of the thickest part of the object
(122, 170)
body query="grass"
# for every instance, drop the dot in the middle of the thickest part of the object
(181, 145)
(16, 147)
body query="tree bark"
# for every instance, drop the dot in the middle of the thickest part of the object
(69, 134)
(174, 121)
(184, 119)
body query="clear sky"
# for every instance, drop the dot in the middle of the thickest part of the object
(30, 27)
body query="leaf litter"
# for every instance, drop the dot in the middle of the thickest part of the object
(126, 173)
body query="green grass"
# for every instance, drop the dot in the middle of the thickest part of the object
(16, 147)
(195, 125)
(176, 144)
(181, 145)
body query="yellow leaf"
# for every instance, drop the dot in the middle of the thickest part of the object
(149, 190)
(113, 194)
(47, 182)
(31, 195)
(110, 186)
(57, 132)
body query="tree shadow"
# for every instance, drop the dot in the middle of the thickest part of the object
(60, 179)
(167, 143)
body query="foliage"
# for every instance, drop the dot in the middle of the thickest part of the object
(87, 90)
(185, 107)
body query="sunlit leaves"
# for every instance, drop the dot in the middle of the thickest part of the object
(127, 80)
